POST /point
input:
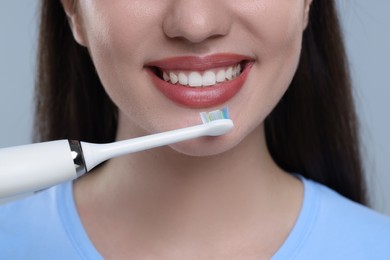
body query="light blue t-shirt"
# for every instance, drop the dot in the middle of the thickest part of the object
(47, 226)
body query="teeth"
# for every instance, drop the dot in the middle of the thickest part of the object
(198, 79)
(166, 76)
(229, 73)
(195, 79)
(236, 71)
(183, 79)
(209, 79)
(221, 76)
(173, 77)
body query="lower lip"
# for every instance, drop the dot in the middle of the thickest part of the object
(203, 97)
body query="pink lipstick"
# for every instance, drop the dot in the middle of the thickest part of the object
(200, 82)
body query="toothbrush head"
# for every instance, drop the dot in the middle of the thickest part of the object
(218, 122)
(208, 117)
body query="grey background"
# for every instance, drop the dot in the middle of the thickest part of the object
(367, 32)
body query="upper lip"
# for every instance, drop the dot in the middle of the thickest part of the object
(199, 63)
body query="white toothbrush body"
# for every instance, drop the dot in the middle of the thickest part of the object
(33, 167)
(95, 154)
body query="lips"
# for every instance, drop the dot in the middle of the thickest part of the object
(200, 82)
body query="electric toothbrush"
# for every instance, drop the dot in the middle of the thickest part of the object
(33, 167)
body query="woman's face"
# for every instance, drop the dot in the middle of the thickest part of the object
(163, 62)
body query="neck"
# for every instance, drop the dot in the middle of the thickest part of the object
(163, 192)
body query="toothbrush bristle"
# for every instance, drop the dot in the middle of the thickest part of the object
(208, 117)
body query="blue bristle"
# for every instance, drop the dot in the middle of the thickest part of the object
(225, 112)
(208, 117)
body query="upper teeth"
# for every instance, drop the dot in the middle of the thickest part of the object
(202, 79)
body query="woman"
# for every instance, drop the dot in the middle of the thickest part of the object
(112, 70)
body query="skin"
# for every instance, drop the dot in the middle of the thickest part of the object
(209, 198)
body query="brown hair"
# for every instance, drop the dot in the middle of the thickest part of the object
(70, 100)
(313, 130)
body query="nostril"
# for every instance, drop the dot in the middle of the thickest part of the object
(196, 21)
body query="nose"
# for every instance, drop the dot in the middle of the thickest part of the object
(196, 20)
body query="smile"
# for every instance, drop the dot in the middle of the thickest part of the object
(199, 78)
(200, 82)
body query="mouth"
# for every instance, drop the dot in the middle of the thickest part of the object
(200, 82)
(200, 79)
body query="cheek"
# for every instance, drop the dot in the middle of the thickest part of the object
(122, 28)
(118, 35)
(113, 32)
(276, 35)
(280, 27)
(274, 26)
(281, 37)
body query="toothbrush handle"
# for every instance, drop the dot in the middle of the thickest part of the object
(36, 166)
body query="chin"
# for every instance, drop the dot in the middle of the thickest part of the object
(207, 146)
